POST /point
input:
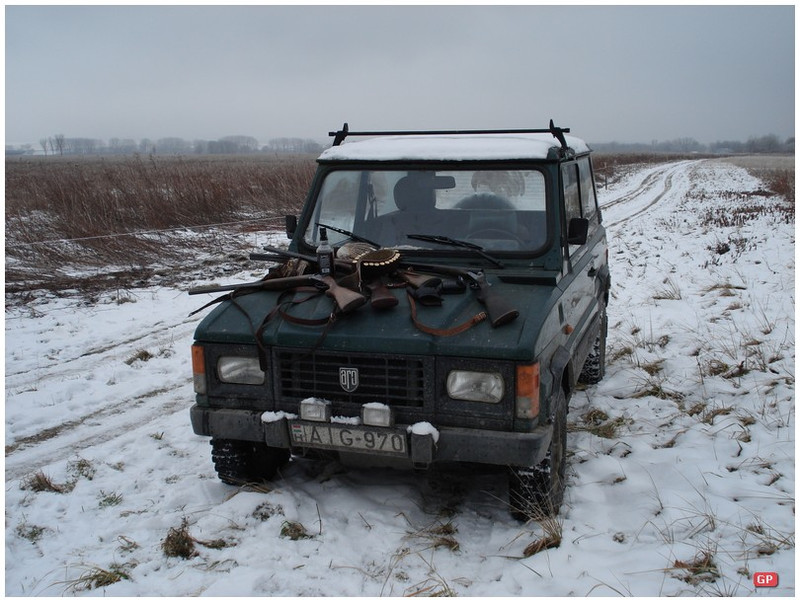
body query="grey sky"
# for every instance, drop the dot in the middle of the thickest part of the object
(611, 73)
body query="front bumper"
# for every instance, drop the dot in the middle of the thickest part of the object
(459, 445)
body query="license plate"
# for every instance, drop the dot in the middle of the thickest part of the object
(342, 437)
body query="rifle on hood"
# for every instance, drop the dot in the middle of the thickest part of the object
(346, 300)
(499, 310)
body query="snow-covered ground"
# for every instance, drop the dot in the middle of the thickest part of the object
(680, 475)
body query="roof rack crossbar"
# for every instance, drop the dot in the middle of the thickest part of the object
(557, 132)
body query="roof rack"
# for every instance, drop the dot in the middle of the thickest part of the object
(557, 132)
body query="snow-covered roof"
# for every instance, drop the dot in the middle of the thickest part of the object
(452, 147)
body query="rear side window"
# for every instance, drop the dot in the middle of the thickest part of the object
(579, 196)
(572, 197)
(588, 200)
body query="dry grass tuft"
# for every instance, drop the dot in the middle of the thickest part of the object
(701, 568)
(294, 530)
(178, 543)
(39, 482)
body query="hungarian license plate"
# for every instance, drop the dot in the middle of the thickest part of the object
(343, 437)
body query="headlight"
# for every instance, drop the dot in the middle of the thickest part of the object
(240, 370)
(486, 387)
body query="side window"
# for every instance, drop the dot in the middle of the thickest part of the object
(588, 200)
(572, 199)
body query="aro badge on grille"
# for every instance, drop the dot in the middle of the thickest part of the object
(348, 379)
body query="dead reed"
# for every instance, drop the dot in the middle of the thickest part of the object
(129, 212)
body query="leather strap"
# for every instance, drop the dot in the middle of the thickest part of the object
(439, 332)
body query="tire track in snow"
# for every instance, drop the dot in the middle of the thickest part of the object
(28, 454)
(660, 180)
(59, 366)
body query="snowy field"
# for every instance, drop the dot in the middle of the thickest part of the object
(681, 462)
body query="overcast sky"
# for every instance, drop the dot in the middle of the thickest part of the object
(611, 73)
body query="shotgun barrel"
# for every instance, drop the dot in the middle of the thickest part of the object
(267, 284)
(273, 251)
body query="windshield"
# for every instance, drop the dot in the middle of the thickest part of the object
(498, 210)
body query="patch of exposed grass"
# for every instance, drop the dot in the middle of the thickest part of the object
(599, 424)
(142, 355)
(653, 368)
(30, 532)
(40, 482)
(709, 416)
(81, 468)
(266, 511)
(670, 292)
(178, 543)
(95, 577)
(294, 530)
(701, 568)
(109, 499)
(439, 535)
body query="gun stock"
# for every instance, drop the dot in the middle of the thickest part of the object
(500, 312)
(380, 296)
(419, 280)
(346, 300)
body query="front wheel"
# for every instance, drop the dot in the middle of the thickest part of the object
(594, 368)
(240, 462)
(537, 492)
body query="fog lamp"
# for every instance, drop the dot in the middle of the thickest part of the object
(486, 387)
(316, 410)
(240, 370)
(377, 414)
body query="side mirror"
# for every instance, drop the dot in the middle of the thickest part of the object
(577, 231)
(291, 225)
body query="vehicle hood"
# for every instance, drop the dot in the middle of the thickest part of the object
(369, 330)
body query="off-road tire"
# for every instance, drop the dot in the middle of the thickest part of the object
(240, 462)
(537, 492)
(594, 368)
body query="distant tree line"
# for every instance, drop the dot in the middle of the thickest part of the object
(62, 145)
(763, 144)
(228, 145)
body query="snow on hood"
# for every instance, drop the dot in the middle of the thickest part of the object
(462, 147)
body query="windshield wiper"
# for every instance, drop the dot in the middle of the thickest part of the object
(452, 242)
(355, 237)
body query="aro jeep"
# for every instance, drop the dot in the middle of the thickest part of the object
(442, 295)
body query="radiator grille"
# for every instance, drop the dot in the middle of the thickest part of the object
(393, 380)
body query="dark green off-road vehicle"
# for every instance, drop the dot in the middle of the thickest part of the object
(466, 300)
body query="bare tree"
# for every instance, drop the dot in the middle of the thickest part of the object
(59, 141)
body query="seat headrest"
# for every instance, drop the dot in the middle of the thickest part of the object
(414, 193)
